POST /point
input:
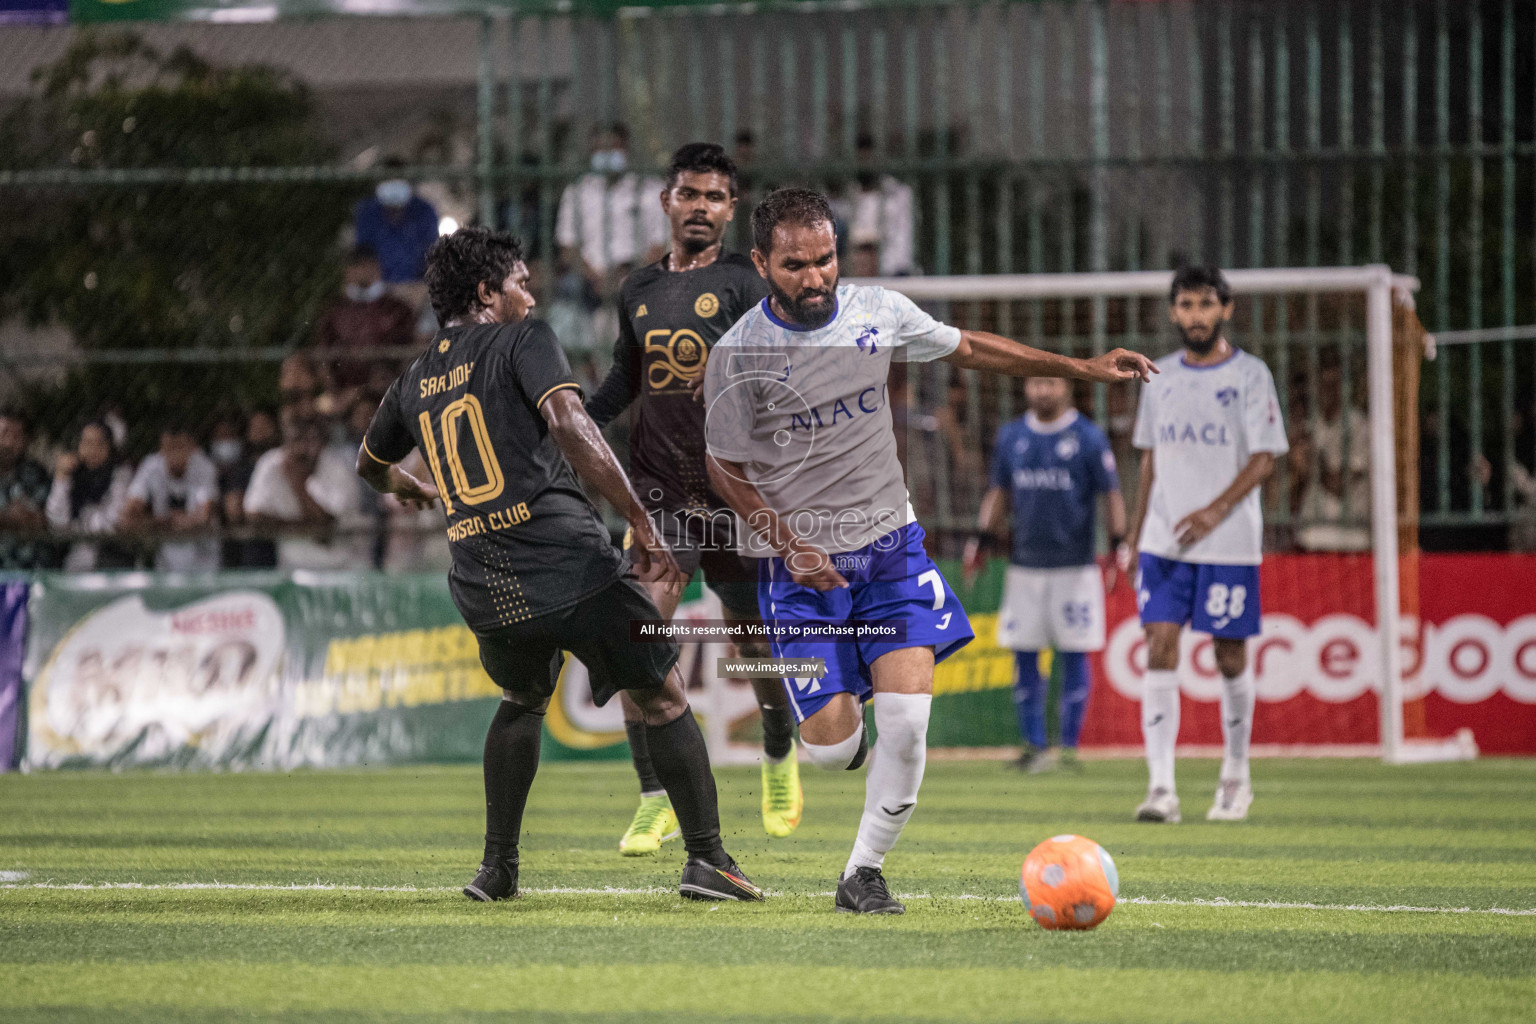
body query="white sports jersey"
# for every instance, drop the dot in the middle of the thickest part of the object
(1203, 423)
(806, 413)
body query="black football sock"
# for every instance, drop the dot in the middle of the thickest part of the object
(778, 731)
(682, 764)
(640, 753)
(511, 761)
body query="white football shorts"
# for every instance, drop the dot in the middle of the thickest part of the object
(1062, 609)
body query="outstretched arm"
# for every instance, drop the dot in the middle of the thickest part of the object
(995, 354)
(580, 440)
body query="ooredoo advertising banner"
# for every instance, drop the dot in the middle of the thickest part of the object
(1469, 657)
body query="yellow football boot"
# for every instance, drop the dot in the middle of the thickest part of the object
(654, 823)
(783, 799)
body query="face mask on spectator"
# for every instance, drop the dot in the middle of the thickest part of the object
(366, 292)
(395, 192)
(610, 161)
(226, 452)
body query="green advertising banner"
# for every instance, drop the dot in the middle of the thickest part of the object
(271, 671)
(251, 671)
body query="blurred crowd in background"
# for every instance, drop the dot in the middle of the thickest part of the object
(274, 486)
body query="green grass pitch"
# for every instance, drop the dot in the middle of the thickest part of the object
(395, 941)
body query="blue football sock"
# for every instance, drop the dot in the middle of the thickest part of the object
(1074, 695)
(1029, 698)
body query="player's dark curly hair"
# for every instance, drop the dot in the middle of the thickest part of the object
(803, 206)
(1197, 279)
(457, 263)
(702, 158)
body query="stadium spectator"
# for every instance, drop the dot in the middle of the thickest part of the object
(447, 143)
(1522, 481)
(608, 223)
(609, 220)
(921, 441)
(520, 214)
(372, 507)
(23, 494)
(175, 491)
(224, 443)
(1464, 464)
(300, 484)
(399, 226)
(749, 189)
(301, 387)
(744, 152)
(111, 413)
(90, 486)
(879, 211)
(1340, 443)
(966, 470)
(364, 317)
(261, 436)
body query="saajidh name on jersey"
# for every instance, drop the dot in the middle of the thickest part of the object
(454, 378)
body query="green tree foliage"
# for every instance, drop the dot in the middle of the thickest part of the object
(198, 260)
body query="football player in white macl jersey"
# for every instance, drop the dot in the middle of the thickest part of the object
(1210, 427)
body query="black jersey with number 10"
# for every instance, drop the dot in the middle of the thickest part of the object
(525, 539)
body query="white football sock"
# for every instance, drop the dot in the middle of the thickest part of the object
(1160, 724)
(895, 772)
(1236, 725)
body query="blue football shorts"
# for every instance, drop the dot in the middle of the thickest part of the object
(1222, 600)
(891, 580)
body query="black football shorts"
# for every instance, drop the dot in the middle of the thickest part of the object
(524, 658)
(709, 543)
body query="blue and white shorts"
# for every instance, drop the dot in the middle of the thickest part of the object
(1222, 600)
(892, 580)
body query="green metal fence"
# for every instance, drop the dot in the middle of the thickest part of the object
(1036, 137)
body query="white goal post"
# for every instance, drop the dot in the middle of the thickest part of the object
(1376, 283)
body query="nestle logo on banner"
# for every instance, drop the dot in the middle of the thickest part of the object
(1466, 659)
(214, 621)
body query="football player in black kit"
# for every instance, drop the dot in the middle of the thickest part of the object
(493, 407)
(670, 314)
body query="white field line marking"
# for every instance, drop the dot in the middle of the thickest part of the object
(1141, 901)
(14, 876)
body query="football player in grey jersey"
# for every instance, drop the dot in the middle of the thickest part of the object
(801, 447)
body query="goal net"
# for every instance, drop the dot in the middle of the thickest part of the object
(1334, 674)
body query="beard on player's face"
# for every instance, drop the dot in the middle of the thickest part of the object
(1202, 342)
(810, 308)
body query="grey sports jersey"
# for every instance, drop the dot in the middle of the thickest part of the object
(806, 414)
